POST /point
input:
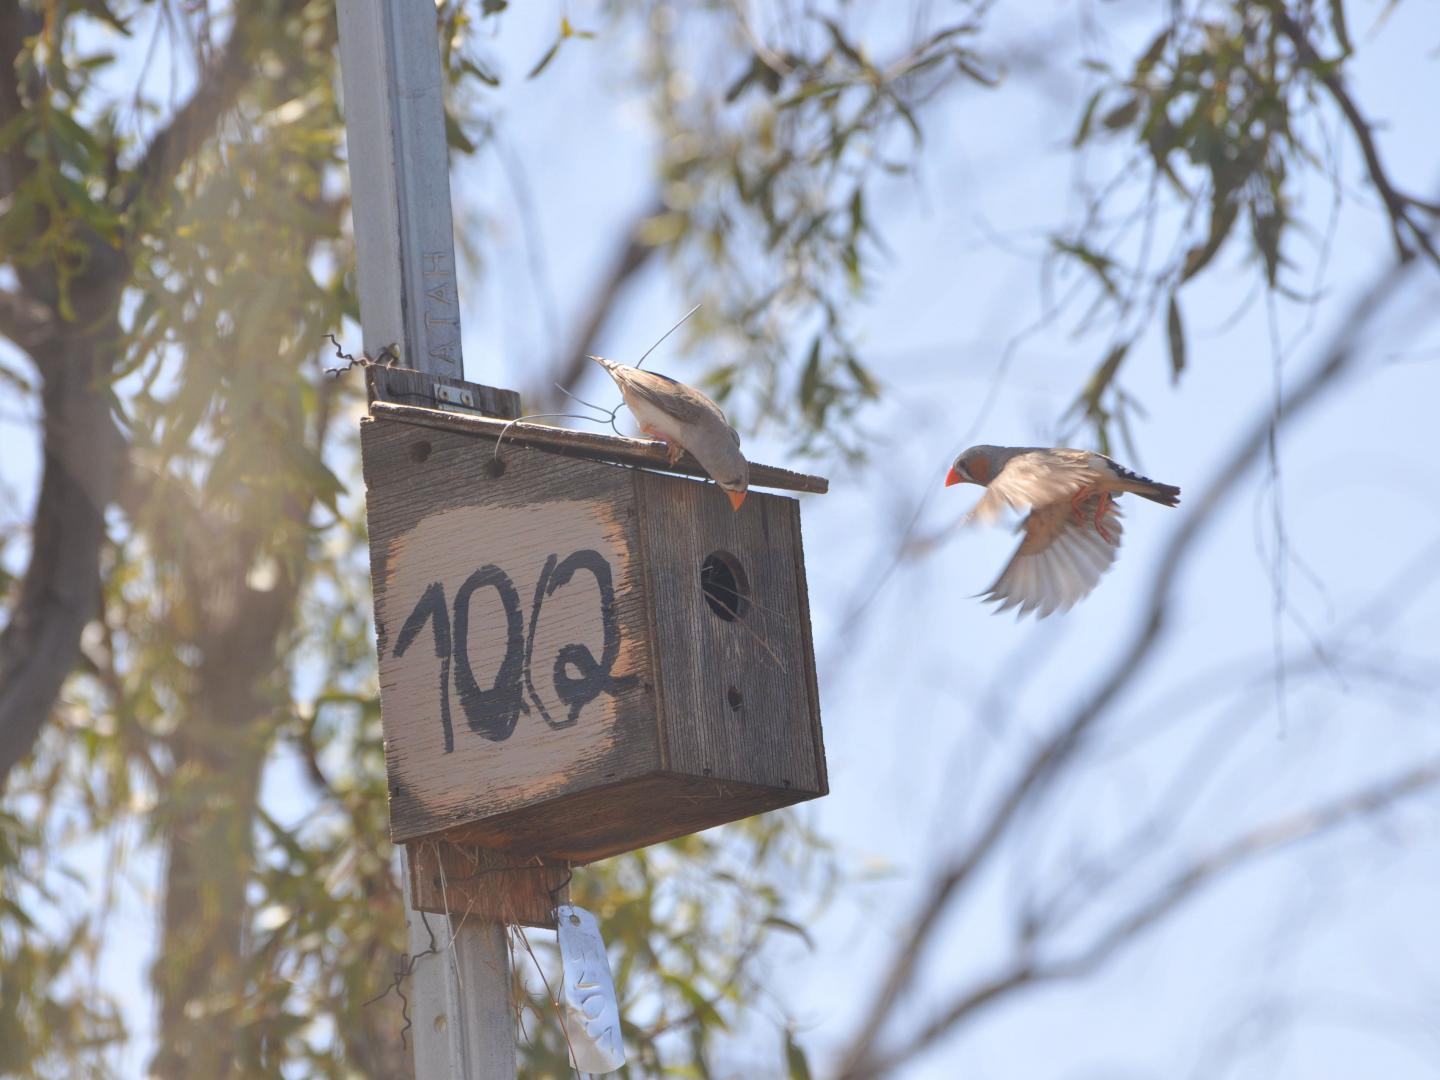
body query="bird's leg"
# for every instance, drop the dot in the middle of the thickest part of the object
(1078, 509)
(1102, 507)
(673, 450)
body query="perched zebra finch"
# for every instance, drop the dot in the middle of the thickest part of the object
(684, 419)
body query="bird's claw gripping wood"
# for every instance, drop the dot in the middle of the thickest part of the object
(673, 450)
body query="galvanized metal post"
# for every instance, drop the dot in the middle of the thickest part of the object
(463, 1024)
(400, 181)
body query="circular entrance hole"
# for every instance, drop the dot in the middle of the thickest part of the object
(726, 588)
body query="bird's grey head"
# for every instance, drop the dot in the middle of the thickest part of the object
(978, 465)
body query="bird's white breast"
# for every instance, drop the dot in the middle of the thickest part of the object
(651, 416)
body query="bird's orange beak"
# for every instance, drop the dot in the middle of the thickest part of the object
(736, 498)
(953, 477)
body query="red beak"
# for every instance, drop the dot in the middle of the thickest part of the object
(953, 477)
(736, 498)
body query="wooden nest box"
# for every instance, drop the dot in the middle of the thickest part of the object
(581, 655)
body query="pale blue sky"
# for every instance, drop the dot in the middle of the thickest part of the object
(1339, 941)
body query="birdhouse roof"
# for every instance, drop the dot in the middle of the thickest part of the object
(589, 444)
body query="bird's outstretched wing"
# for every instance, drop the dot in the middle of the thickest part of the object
(1059, 561)
(1036, 477)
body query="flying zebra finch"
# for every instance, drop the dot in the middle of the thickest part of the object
(684, 419)
(1072, 533)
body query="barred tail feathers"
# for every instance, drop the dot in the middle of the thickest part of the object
(1135, 484)
(1164, 494)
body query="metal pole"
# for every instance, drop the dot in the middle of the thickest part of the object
(400, 181)
(461, 1018)
(463, 1024)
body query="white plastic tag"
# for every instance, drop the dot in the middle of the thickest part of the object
(592, 1015)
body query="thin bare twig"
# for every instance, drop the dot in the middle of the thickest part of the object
(1397, 206)
(1178, 890)
(1044, 764)
(218, 88)
(633, 254)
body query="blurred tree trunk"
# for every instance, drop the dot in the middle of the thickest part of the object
(220, 747)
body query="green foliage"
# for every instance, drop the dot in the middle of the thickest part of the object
(234, 653)
(765, 200)
(41, 1008)
(1216, 121)
(686, 925)
(235, 641)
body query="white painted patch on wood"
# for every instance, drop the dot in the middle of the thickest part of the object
(534, 759)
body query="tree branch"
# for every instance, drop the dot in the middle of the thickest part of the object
(84, 453)
(1396, 205)
(1044, 764)
(26, 321)
(61, 589)
(1178, 890)
(632, 254)
(218, 88)
(15, 26)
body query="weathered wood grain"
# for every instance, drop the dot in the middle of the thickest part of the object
(737, 698)
(602, 822)
(476, 882)
(812, 679)
(665, 720)
(434, 524)
(591, 444)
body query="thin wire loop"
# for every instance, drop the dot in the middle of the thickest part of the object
(667, 333)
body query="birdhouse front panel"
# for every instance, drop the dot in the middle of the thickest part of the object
(510, 627)
(579, 657)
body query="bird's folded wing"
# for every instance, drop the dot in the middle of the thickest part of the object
(1059, 561)
(674, 398)
(1034, 478)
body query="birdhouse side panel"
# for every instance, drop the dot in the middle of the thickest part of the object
(510, 623)
(734, 653)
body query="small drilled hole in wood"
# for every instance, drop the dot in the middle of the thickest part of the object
(420, 450)
(495, 468)
(726, 588)
(735, 698)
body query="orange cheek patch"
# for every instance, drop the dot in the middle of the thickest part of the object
(979, 469)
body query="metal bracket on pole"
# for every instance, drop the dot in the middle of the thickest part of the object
(463, 1025)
